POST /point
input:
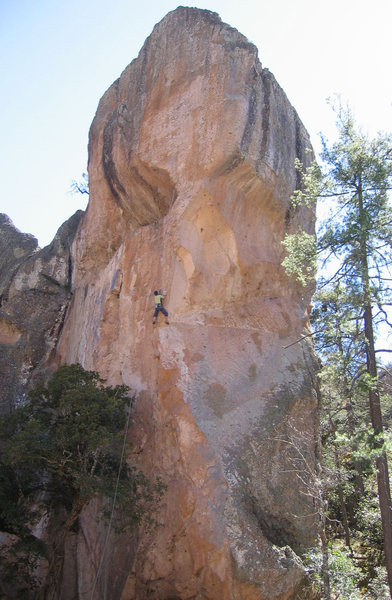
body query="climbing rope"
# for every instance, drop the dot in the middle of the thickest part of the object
(302, 338)
(113, 507)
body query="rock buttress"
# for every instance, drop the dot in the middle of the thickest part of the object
(35, 289)
(191, 168)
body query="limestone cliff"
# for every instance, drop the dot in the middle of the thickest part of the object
(191, 168)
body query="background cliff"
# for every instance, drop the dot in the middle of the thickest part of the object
(191, 168)
(35, 286)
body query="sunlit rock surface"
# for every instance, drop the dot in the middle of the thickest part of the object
(191, 168)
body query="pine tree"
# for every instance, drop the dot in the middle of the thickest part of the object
(347, 434)
(355, 246)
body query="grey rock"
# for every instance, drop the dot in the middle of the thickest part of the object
(35, 290)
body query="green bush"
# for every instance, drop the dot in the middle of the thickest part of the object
(64, 447)
(343, 574)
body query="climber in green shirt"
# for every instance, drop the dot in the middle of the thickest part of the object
(159, 307)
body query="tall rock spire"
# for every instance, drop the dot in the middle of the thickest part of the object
(191, 169)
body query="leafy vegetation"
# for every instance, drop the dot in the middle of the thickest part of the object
(63, 448)
(354, 250)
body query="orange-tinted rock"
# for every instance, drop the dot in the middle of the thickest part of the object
(191, 170)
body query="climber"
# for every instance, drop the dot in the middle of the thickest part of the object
(159, 307)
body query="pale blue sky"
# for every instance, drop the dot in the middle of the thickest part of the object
(57, 58)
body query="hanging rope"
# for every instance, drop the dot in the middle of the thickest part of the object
(113, 507)
(302, 338)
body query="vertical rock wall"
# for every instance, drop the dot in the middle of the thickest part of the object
(35, 287)
(191, 170)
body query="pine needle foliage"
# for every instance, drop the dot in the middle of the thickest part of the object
(354, 254)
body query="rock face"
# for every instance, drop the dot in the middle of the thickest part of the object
(191, 168)
(34, 293)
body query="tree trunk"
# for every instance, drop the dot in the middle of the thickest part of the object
(384, 493)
